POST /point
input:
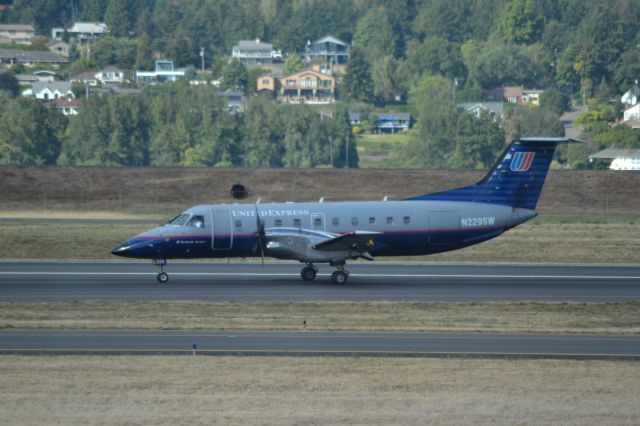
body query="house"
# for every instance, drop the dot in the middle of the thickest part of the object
(31, 57)
(633, 112)
(65, 106)
(622, 159)
(631, 96)
(47, 76)
(386, 122)
(26, 79)
(17, 33)
(59, 47)
(49, 91)
(514, 95)
(110, 75)
(164, 72)
(307, 85)
(329, 50)
(87, 78)
(495, 109)
(634, 123)
(255, 53)
(81, 32)
(235, 100)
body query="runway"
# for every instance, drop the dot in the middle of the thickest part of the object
(322, 343)
(249, 281)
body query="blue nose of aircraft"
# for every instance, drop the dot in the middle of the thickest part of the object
(139, 249)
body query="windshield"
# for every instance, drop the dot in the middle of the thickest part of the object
(180, 220)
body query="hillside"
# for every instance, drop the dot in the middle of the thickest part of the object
(172, 189)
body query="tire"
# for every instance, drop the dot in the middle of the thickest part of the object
(339, 277)
(162, 277)
(308, 273)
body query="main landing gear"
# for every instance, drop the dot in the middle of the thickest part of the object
(162, 276)
(309, 272)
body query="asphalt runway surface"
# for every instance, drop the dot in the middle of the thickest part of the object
(321, 343)
(279, 281)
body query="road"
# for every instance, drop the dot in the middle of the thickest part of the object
(54, 281)
(321, 343)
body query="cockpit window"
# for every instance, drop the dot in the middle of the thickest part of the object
(196, 221)
(180, 220)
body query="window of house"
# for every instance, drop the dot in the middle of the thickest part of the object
(354, 221)
(297, 222)
(406, 220)
(291, 82)
(335, 221)
(389, 220)
(372, 220)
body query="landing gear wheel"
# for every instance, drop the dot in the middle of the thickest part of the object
(308, 273)
(162, 277)
(339, 277)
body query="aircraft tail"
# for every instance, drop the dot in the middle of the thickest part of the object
(515, 180)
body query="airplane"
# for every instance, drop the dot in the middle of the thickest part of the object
(334, 232)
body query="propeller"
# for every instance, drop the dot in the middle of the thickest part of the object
(260, 234)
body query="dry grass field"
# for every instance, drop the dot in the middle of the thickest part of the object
(495, 317)
(202, 390)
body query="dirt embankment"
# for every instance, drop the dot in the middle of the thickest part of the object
(135, 189)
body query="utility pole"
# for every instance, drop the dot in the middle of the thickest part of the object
(202, 57)
(331, 150)
(346, 149)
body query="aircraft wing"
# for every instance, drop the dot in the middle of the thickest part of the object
(359, 241)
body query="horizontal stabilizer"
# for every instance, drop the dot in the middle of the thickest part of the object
(357, 240)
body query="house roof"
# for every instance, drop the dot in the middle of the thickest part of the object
(308, 71)
(60, 86)
(17, 27)
(330, 39)
(32, 56)
(495, 107)
(54, 42)
(633, 91)
(110, 69)
(84, 76)
(391, 116)
(88, 27)
(62, 103)
(254, 45)
(512, 91)
(26, 78)
(611, 153)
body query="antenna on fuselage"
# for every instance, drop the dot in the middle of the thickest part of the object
(386, 197)
(258, 200)
(321, 200)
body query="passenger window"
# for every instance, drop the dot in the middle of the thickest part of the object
(317, 222)
(297, 223)
(389, 220)
(406, 220)
(278, 222)
(372, 220)
(237, 224)
(354, 221)
(196, 221)
(335, 221)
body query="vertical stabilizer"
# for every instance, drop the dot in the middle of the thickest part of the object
(515, 180)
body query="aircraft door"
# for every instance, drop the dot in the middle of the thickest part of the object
(221, 229)
(317, 221)
(444, 227)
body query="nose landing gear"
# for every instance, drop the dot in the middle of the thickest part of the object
(162, 276)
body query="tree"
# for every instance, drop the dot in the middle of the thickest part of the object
(435, 56)
(292, 64)
(374, 34)
(386, 81)
(9, 83)
(144, 53)
(522, 122)
(433, 104)
(119, 17)
(519, 23)
(235, 76)
(555, 101)
(477, 140)
(357, 84)
(345, 153)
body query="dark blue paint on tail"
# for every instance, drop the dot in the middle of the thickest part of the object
(515, 180)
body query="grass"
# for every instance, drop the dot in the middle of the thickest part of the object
(588, 238)
(261, 390)
(496, 317)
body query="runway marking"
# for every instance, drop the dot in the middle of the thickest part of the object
(286, 274)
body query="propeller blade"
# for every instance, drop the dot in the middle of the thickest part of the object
(260, 234)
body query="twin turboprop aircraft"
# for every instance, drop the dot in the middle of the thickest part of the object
(334, 232)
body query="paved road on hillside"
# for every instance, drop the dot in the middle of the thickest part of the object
(51, 281)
